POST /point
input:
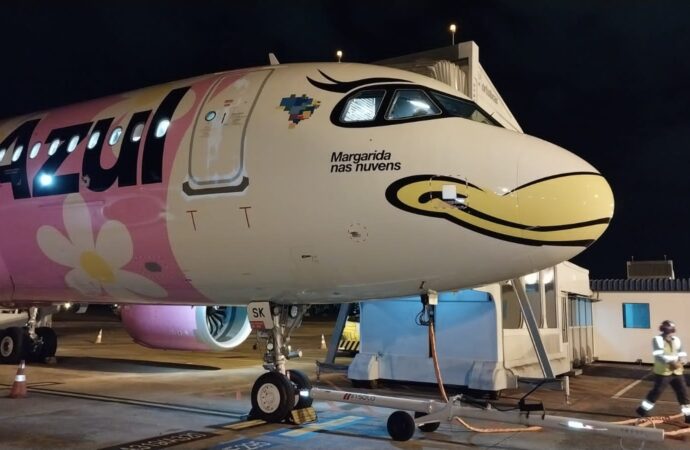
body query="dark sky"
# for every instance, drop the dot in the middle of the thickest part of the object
(608, 80)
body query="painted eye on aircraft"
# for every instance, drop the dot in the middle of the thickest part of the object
(162, 128)
(138, 131)
(210, 116)
(34, 150)
(53, 147)
(93, 140)
(73, 143)
(17, 153)
(115, 136)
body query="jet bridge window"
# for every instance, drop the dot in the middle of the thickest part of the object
(460, 108)
(363, 106)
(409, 103)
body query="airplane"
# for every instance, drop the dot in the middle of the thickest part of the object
(231, 201)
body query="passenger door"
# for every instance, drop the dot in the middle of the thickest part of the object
(216, 162)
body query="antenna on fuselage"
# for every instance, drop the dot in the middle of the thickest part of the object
(273, 60)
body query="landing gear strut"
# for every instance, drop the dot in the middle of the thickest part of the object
(276, 393)
(32, 342)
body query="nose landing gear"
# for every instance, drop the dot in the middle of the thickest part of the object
(275, 394)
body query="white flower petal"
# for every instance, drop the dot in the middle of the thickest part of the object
(139, 284)
(77, 219)
(82, 282)
(114, 244)
(57, 247)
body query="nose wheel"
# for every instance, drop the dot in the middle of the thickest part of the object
(273, 397)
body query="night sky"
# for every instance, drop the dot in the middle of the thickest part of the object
(608, 80)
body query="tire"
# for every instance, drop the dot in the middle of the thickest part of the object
(427, 427)
(400, 426)
(48, 343)
(13, 345)
(273, 397)
(301, 382)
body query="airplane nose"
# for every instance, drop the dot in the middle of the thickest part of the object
(566, 202)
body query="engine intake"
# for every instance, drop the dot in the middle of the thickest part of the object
(173, 327)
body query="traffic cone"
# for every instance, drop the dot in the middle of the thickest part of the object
(99, 338)
(18, 389)
(323, 342)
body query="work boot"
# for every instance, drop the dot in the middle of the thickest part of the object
(643, 412)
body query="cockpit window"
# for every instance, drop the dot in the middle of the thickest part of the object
(411, 103)
(460, 108)
(363, 106)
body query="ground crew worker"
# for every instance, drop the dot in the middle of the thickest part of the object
(669, 358)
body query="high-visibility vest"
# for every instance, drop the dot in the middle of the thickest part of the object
(665, 353)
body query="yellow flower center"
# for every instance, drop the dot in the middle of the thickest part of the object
(96, 267)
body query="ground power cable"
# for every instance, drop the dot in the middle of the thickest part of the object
(444, 396)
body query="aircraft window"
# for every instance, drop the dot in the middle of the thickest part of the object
(409, 103)
(73, 143)
(34, 150)
(162, 128)
(17, 153)
(138, 131)
(53, 147)
(2, 154)
(210, 116)
(462, 108)
(363, 106)
(93, 140)
(115, 136)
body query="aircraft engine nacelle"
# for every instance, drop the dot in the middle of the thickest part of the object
(203, 328)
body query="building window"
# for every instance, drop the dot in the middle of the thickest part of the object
(534, 296)
(512, 314)
(635, 315)
(550, 298)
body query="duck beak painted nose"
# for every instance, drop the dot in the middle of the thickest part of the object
(567, 209)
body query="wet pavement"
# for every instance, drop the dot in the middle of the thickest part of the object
(120, 395)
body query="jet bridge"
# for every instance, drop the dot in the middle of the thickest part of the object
(488, 338)
(458, 66)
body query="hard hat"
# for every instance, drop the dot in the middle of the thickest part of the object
(667, 327)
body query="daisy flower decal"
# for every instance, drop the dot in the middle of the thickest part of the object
(96, 264)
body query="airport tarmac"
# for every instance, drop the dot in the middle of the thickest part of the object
(118, 395)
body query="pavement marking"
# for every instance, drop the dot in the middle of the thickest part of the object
(245, 424)
(628, 387)
(329, 425)
(164, 441)
(242, 444)
(127, 401)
